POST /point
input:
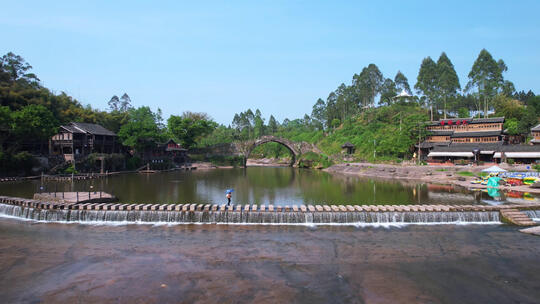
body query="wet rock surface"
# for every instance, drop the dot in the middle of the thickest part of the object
(67, 263)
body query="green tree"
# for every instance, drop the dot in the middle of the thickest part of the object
(318, 114)
(188, 128)
(427, 80)
(5, 125)
(402, 83)
(512, 126)
(33, 123)
(486, 76)
(388, 92)
(258, 124)
(447, 80)
(272, 125)
(17, 69)
(369, 84)
(141, 127)
(463, 113)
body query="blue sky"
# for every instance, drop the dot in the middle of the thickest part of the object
(278, 56)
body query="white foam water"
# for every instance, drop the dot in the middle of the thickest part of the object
(357, 219)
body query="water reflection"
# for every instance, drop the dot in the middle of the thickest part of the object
(263, 185)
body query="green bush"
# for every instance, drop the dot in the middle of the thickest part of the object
(537, 167)
(510, 161)
(70, 170)
(314, 160)
(235, 161)
(16, 164)
(465, 173)
(134, 163)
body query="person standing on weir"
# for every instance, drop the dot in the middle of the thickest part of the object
(229, 195)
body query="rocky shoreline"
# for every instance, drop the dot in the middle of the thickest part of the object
(428, 174)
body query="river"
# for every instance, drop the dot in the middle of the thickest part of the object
(266, 185)
(73, 263)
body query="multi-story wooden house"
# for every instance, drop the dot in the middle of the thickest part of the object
(475, 139)
(77, 140)
(446, 132)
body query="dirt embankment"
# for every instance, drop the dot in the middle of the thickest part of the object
(268, 162)
(428, 174)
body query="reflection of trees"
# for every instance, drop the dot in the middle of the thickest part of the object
(344, 189)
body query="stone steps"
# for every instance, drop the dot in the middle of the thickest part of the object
(516, 217)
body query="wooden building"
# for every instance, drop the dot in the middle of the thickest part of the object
(535, 133)
(169, 152)
(77, 140)
(446, 132)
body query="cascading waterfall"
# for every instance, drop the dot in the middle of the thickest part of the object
(533, 214)
(250, 217)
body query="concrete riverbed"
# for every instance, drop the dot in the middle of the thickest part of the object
(71, 263)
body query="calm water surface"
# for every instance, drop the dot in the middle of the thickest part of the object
(263, 185)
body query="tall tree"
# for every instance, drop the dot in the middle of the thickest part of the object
(18, 69)
(402, 83)
(318, 114)
(114, 103)
(332, 112)
(258, 125)
(486, 76)
(272, 125)
(426, 82)
(125, 103)
(447, 80)
(388, 92)
(369, 83)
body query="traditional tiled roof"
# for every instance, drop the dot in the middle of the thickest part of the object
(81, 127)
(487, 120)
(469, 120)
(427, 145)
(347, 145)
(71, 129)
(537, 128)
(476, 134)
(442, 132)
(519, 148)
(496, 147)
(469, 147)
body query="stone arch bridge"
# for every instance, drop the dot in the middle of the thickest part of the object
(297, 148)
(244, 148)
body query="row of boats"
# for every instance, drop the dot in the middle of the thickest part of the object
(513, 179)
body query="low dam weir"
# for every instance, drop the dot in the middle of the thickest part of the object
(253, 214)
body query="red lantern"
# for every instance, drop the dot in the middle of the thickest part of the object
(442, 122)
(450, 122)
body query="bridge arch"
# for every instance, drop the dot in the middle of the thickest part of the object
(266, 139)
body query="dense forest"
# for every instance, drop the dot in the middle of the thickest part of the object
(383, 117)
(30, 114)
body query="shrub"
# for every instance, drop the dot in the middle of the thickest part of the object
(465, 173)
(16, 164)
(537, 167)
(510, 161)
(134, 163)
(314, 160)
(70, 170)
